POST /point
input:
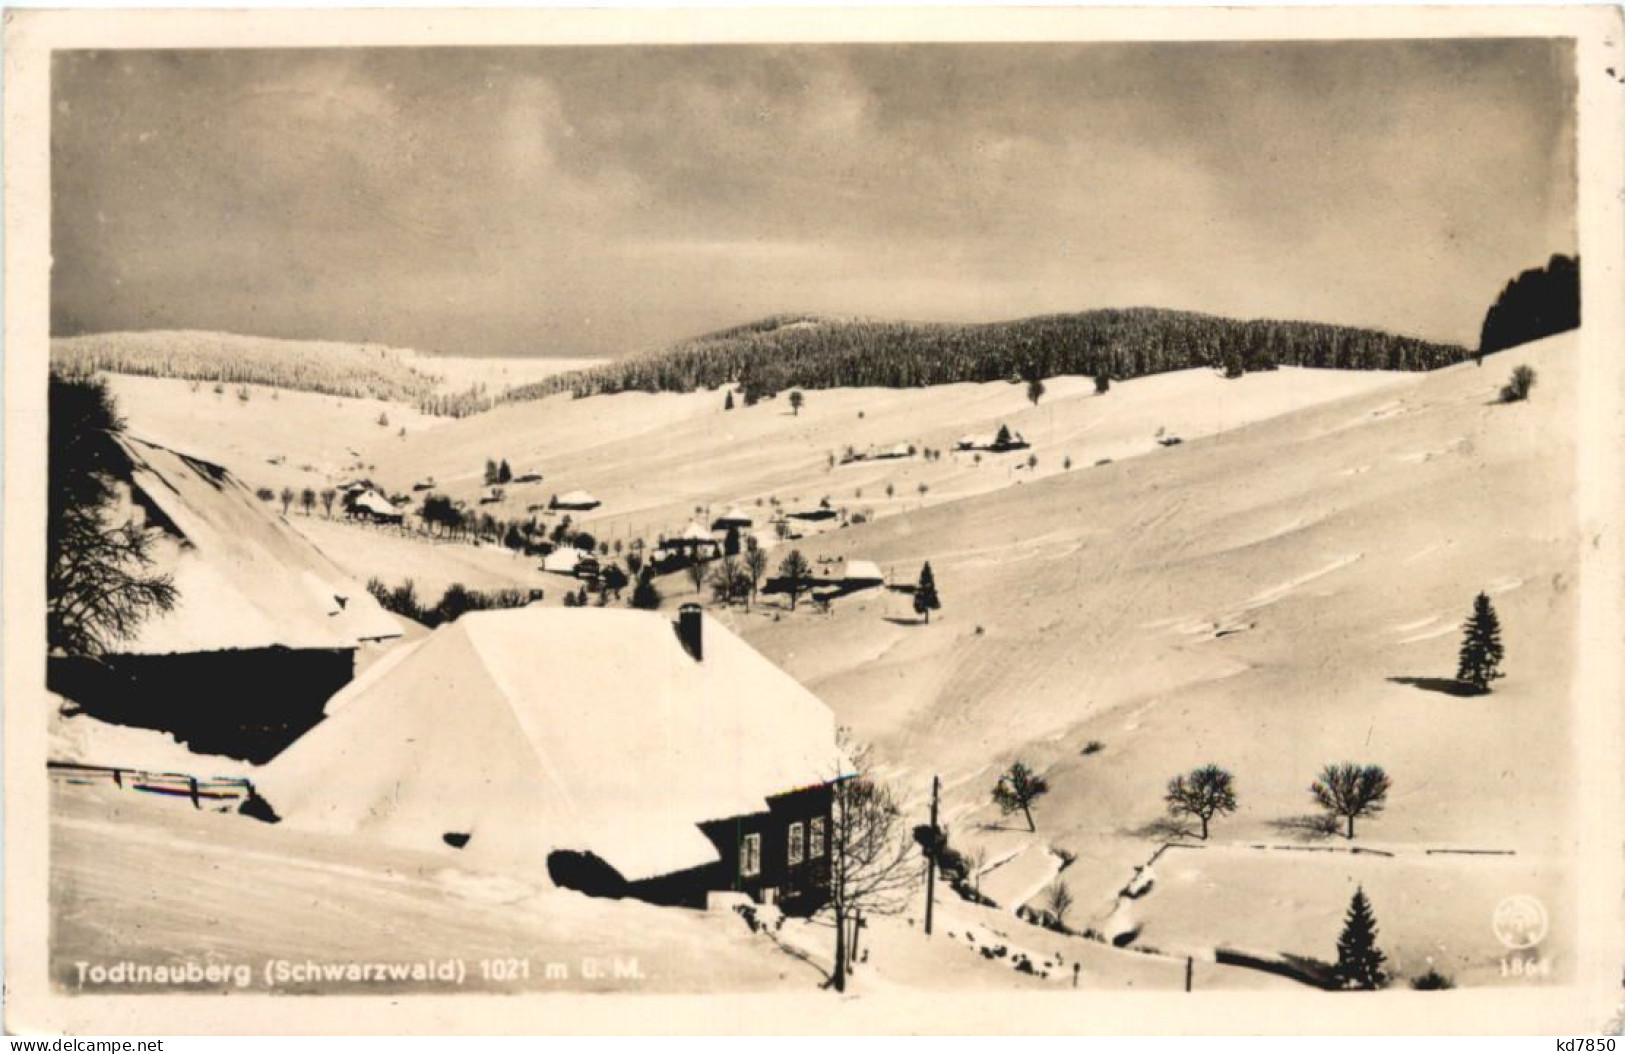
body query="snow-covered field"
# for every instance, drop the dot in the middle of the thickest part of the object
(392, 557)
(653, 458)
(1250, 600)
(153, 881)
(1281, 590)
(496, 374)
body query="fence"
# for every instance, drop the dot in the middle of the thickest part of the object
(217, 793)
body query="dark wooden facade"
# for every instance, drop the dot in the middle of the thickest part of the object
(799, 888)
(248, 704)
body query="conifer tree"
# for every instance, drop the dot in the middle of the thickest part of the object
(1035, 383)
(100, 582)
(925, 594)
(646, 595)
(1481, 651)
(728, 403)
(504, 473)
(1359, 960)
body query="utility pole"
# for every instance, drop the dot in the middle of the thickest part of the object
(931, 857)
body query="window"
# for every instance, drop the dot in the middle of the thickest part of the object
(750, 856)
(817, 833)
(798, 843)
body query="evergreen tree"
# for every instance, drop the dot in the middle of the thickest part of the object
(98, 581)
(490, 472)
(925, 594)
(1103, 383)
(504, 473)
(1481, 651)
(1002, 440)
(1517, 387)
(1035, 383)
(646, 595)
(728, 403)
(797, 400)
(1537, 303)
(1359, 960)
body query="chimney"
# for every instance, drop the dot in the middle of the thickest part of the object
(688, 630)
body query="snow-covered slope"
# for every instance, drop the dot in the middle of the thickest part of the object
(1271, 599)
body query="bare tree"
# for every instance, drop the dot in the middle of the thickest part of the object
(1206, 792)
(695, 569)
(975, 862)
(287, 497)
(1019, 788)
(797, 401)
(729, 582)
(872, 871)
(755, 566)
(1352, 791)
(1058, 901)
(327, 501)
(307, 500)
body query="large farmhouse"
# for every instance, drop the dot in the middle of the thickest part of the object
(264, 631)
(616, 751)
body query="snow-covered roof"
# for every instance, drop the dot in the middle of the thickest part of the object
(375, 502)
(541, 729)
(578, 497)
(244, 578)
(693, 536)
(861, 571)
(563, 559)
(735, 516)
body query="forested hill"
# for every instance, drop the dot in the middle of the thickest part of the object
(784, 352)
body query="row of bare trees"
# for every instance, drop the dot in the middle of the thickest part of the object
(1347, 791)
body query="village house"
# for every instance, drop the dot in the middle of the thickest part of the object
(734, 517)
(617, 752)
(565, 560)
(264, 631)
(371, 505)
(996, 442)
(576, 501)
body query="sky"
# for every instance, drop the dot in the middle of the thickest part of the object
(607, 200)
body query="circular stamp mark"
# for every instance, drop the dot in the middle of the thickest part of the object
(1520, 921)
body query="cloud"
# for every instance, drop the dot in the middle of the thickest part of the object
(492, 200)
